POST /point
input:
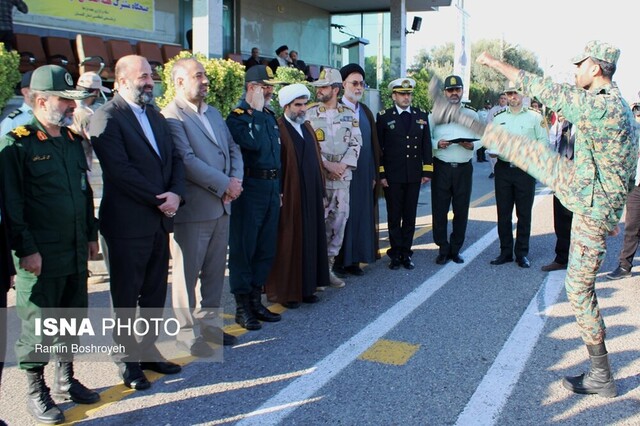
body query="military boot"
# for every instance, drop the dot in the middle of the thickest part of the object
(259, 310)
(68, 387)
(39, 402)
(244, 314)
(334, 281)
(598, 380)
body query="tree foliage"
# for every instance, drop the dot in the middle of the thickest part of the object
(9, 74)
(485, 82)
(226, 81)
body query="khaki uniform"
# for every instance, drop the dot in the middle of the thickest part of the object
(594, 186)
(338, 134)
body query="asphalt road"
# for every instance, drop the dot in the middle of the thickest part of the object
(469, 344)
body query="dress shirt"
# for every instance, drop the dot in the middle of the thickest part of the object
(200, 112)
(523, 123)
(354, 107)
(140, 114)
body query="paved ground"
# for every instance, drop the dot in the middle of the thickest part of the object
(469, 344)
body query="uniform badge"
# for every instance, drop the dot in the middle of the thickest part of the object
(41, 135)
(21, 131)
(238, 111)
(356, 123)
(320, 135)
(41, 158)
(543, 124)
(392, 126)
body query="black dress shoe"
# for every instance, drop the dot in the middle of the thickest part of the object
(618, 273)
(311, 299)
(442, 259)
(291, 305)
(395, 264)
(354, 269)
(134, 377)
(162, 367)
(502, 259)
(523, 262)
(456, 258)
(212, 334)
(199, 348)
(407, 263)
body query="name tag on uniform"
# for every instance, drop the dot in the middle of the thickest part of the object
(41, 158)
(391, 123)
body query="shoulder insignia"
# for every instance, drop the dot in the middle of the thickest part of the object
(340, 109)
(21, 131)
(319, 135)
(14, 114)
(501, 112)
(311, 105)
(238, 111)
(470, 107)
(42, 135)
(322, 109)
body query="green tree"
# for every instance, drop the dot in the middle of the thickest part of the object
(9, 74)
(370, 67)
(485, 83)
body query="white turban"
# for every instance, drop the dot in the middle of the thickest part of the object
(289, 93)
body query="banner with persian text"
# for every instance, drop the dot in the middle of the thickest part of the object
(136, 15)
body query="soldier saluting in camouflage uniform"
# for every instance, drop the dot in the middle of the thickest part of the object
(338, 133)
(594, 187)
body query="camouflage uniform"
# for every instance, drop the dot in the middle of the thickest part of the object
(340, 140)
(594, 187)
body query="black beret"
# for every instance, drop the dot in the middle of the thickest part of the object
(349, 69)
(281, 48)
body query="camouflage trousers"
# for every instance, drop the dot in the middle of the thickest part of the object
(588, 235)
(335, 218)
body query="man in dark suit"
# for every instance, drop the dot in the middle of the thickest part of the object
(299, 63)
(213, 165)
(282, 60)
(254, 59)
(405, 141)
(143, 186)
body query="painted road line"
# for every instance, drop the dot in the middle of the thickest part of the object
(306, 386)
(486, 403)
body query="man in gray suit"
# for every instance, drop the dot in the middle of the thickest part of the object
(214, 170)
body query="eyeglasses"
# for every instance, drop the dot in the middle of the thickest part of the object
(358, 84)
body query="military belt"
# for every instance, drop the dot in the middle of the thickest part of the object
(454, 165)
(269, 174)
(333, 158)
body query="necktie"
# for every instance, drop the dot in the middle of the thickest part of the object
(406, 120)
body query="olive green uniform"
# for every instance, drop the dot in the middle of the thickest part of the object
(49, 208)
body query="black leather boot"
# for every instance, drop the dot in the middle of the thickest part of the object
(39, 402)
(244, 314)
(598, 380)
(68, 387)
(259, 310)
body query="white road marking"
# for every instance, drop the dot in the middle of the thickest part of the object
(486, 403)
(304, 387)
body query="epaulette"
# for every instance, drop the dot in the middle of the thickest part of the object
(73, 135)
(470, 107)
(15, 113)
(238, 111)
(20, 132)
(313, 104)
(500, 112)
